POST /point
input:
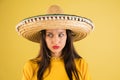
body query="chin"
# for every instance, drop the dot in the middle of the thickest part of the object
(56, 51)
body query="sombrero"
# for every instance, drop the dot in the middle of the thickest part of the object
(30, 28)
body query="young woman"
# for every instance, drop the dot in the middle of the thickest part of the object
(57, 59)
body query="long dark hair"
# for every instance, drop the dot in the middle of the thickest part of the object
(69, 55)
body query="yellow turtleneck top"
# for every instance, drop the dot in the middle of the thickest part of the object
(57, 71)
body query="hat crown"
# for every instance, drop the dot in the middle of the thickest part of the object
(54, 9)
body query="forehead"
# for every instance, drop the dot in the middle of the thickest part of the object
(56, 30)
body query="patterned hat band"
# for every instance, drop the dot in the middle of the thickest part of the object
(55, 17)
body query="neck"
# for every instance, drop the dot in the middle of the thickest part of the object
(57, 54)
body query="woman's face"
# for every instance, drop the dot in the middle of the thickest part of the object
(56, 40)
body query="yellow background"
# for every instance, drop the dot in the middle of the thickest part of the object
(101, 48)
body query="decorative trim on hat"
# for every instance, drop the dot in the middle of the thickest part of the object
(54, 17)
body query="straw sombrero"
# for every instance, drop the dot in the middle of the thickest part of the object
(30, 28)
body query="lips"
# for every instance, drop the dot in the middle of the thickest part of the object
(55, 47)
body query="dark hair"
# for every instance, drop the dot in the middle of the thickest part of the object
(68, 58)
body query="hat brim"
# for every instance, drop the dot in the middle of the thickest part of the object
(30, 28)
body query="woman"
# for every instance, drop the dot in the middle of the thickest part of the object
(57, 59)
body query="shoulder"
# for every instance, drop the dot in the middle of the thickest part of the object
(81, 63)
(79, 60)
(82, 67)
(31, 64)
(29, 70)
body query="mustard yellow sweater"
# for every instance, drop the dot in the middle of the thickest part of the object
(57, 70)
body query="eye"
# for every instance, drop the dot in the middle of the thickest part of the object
(50, 35)
(61, 35)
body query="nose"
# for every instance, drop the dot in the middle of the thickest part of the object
(55, 40)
